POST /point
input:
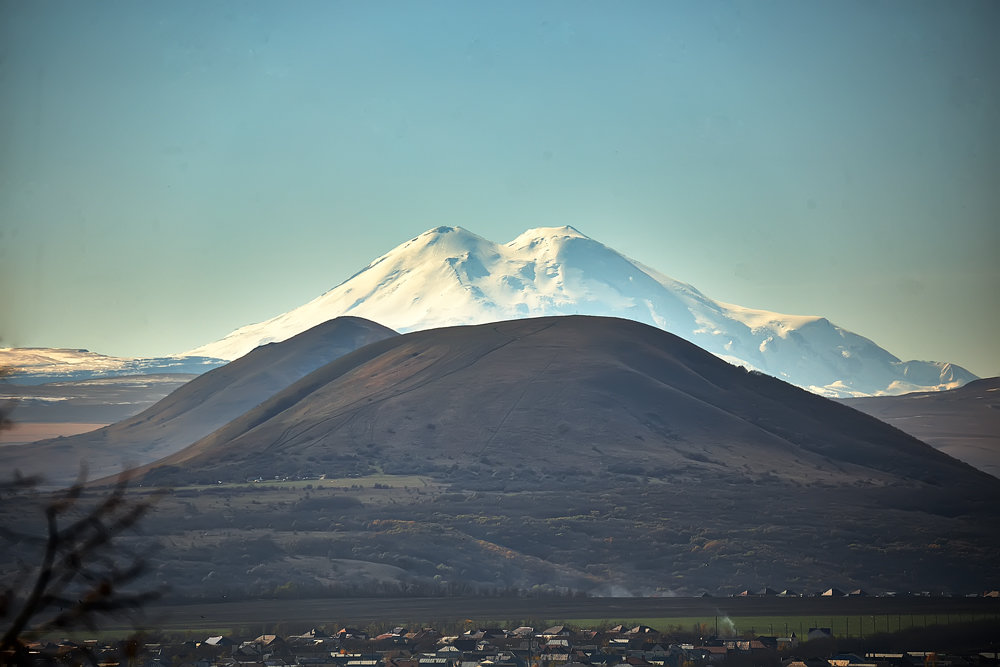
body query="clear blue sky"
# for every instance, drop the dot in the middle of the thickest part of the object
(170, 171)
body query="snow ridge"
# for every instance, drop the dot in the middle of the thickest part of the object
(38, 365)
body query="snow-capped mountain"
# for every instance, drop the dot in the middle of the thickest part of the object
(450, 276)
(38, 365)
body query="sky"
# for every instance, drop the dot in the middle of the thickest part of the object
(170, 171)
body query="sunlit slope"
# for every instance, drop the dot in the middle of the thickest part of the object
(195, 409)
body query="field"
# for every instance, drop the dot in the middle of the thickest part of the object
(376, 481)
(847, 617)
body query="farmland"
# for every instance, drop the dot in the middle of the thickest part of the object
(846, 616)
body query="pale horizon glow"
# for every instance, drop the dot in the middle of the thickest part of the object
(173, 171)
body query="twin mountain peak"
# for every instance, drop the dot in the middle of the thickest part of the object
(450, 276)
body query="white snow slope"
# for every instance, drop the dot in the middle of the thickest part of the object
(450, 276)
(38, 365)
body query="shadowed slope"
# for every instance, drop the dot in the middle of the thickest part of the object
(197, 408)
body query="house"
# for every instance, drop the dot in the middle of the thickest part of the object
(809, 662)
(503, 659)
(555, 631)
(365, 661)
(438, 661)
(637, 661)
(351, 633)
(714, 653)
(464, 644)
(219, 640)
(484, 633)
(768, 642)
(555, 654)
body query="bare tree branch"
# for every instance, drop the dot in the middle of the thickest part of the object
(81, 574)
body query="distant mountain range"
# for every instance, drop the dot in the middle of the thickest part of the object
(450, 276)
(39, 365)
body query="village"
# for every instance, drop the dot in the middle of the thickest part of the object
(556, 646)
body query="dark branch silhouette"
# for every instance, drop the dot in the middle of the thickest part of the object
(6, 407)
(83, 572)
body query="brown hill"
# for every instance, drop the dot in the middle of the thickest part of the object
(963, 422)
(576, 394)
(195, 409)
(593, 453)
